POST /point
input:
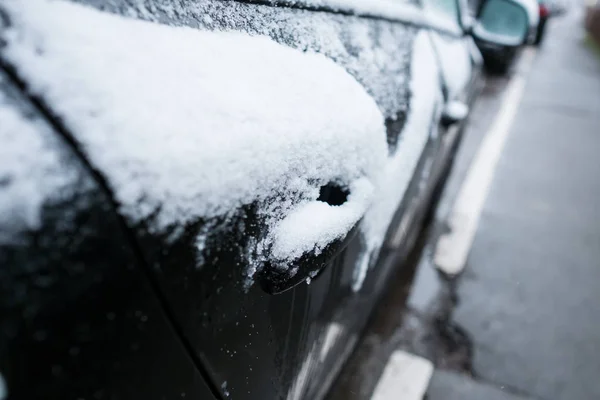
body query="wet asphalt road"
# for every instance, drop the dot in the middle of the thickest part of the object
(523, 320)
(530, 296)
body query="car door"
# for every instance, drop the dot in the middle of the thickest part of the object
(78, 316)
(459, 58)
(461, 69)
(131, 101)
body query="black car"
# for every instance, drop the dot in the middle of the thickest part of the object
(205, 199)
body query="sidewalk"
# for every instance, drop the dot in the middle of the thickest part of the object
(529, 298)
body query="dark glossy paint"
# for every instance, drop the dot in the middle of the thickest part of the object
(250, 342)
(79, 319)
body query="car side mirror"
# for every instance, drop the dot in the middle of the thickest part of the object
(502, 22)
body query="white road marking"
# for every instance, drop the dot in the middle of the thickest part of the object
(453, 248)
(405, 377)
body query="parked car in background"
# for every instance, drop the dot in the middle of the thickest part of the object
(504, 29)
(547, 10)
(545, 13)
(206, 199)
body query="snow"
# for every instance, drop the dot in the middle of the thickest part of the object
(456, 110)
(439, 20)
(375, 53)
(393, 182)
(391, 9)
(509, 40)
(455, 57)
(188, 124)
(399, 10)
(30, 169)
(315, 224)
(224, 388)
(474, 52)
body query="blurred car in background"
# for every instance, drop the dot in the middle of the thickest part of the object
(547, 10)
(503, 29)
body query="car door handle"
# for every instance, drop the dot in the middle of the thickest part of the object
(274, 280)
(454, 112)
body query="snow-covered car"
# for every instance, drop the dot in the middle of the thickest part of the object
(205, 199)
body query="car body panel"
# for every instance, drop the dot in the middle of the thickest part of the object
(282, 346)
(253, 344)
(79, 317)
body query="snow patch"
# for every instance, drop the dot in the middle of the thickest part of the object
(439, 20)
(315, 224)
(224, 388)
(509, 40)
(30, 169)
(375, 53)
(405, 11)
(189, 124)
(456, 110)
(455, 57)
(392, 184)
